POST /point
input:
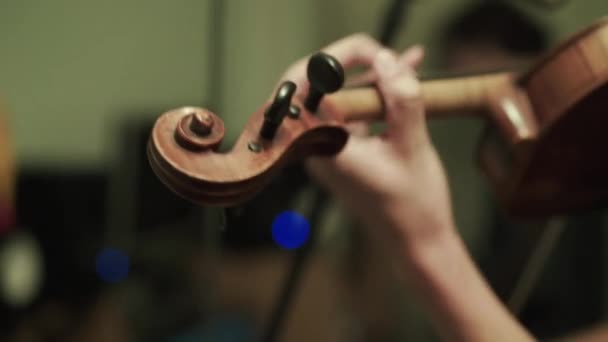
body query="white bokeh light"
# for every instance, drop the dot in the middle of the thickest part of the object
(21, 269)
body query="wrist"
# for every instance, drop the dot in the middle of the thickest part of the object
(418, 228)
(429, 256)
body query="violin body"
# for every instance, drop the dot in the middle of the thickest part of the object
(548, 159)
(540, 151)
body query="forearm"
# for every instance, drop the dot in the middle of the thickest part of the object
(460, 303)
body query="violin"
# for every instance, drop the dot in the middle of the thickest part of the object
(541, 150)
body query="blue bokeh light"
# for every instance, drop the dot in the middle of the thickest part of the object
(290, 230)
(112, 265)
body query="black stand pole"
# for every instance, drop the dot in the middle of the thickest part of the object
(297, 268)
(390, 24)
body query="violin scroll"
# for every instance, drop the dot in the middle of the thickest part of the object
(183, 146)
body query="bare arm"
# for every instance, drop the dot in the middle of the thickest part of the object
(396, 185)
(461, 305)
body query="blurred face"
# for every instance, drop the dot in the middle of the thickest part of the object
(483, 56)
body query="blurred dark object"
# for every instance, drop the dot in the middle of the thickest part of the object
(248, 226)
(138, 201)
(543, 4)
(394, 16)
(496, 24)
(549, 4)
(298, 266)
(65, 211)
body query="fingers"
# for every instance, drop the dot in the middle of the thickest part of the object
(395, 76)
(338, 172)
(365, 78)
(359, 129)
(297, 74)
(354, 50)
(412, 57)
(397, 82)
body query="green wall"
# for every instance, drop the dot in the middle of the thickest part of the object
(69, 70)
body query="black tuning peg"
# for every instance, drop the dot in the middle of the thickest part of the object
(325, 75)
(277, 110)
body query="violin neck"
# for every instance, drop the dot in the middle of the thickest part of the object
(453, 97)
(463, 96)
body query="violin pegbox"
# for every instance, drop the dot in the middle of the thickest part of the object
(325, 75)
(183, 145)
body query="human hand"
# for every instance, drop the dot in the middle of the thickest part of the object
(395, 179)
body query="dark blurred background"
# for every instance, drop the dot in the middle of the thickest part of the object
(99, 250)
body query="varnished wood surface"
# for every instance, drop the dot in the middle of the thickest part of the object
(542, 152)
(456, 97)
(228, 178)
(563, 169)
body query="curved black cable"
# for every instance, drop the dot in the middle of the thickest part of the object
(298, 265)
(391, 22)
(394, 16)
